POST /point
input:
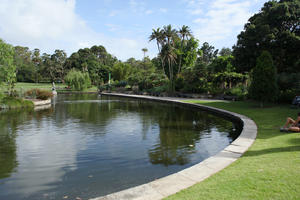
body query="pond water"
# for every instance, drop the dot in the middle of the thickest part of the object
(87, 146)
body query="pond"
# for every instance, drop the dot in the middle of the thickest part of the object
(88, 145)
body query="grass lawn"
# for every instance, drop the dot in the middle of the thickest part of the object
(270, 169)
(46, 86)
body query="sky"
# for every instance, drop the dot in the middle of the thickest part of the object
(121, 26)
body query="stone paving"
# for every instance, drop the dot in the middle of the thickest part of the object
(173, 183)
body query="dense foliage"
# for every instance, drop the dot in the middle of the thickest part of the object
(182, 65)
(78, 80)
(263, 79)
(276, 28)
(7, 67)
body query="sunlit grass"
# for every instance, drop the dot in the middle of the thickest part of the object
(270, 169)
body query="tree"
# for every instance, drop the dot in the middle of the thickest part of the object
(58, 64)
(95, 60)
(7, 67)
(26, 71)
(121, 71)
(225, 52)
(263, 79)
(78, 80)
(144, 51)
(47, 70)
(176, 50)
(276, 28)
(208, 53)
(184, 32)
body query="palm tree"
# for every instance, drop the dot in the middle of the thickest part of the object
(169, 56)
(169, 33)
(184, 32)
(158, 36)
(144, 50)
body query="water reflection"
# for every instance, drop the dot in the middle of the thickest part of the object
(87, 146)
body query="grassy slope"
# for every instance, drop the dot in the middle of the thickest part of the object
(269, 170)
(45, 86)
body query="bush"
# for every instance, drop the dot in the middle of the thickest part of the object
(239, 91)
(287, 96)
(78, 80)
(13, 102)
(264, 86)
(38, 94)
(1, 96)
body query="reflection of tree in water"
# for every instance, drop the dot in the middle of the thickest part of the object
(180, 130)
(9, 123)
(9, 120)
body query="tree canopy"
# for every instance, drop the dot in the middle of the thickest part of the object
(276, 28)
(7, 67)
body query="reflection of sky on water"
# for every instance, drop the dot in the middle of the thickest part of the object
(43, 158)
(95, 146)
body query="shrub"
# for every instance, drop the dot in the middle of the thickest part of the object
(263, 80)
(13, 102)
(239, 91)
(287, 96)
(78, 80)
(38, 94)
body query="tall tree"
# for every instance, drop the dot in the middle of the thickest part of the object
(225, 52)
(208, 53)
(276, 28)
(26, 71)
(58, 60)
(263, 79)
(184, 32)
(176, 49)
(7, 67)
(144, 51)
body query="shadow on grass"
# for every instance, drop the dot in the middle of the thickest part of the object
(295, 140)
(272, 150)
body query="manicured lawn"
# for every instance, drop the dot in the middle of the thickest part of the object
(270, 169)
(46, 86)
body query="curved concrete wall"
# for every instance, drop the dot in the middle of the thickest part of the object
(173, 183)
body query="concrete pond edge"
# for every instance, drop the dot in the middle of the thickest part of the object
(171, 184)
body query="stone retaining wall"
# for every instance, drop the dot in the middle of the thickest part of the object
(173, 183)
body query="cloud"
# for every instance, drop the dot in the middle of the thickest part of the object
(113, 13)
(54, 24)
(222, 20)
(163, 10)
(137, 6)
(148, 12)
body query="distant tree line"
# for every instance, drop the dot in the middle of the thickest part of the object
(270, 40)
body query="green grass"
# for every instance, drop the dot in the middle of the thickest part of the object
(45, 86)
(270, 169)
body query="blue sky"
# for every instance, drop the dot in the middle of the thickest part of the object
(122, 26)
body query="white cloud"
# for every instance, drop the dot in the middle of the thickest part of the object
(223, 19)
(163, 10)
(137, 6)
(113, 13)
(148, 12)
(54, 24)
(196, 12)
